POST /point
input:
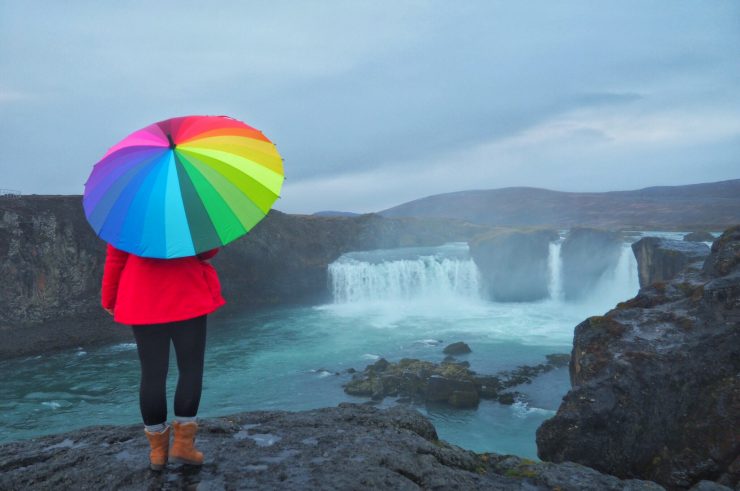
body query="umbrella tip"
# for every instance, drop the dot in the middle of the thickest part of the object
(172, 143)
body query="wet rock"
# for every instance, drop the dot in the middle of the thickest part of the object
(507, 398)
(514, 263)
(558, 360)
(346, 447)
(565, 476)
(452, 361)
(441, 389)
(586, 255)
(448, 382)
(660, 260)
(458, 348)
(699, 237)
(656, 381)
(464, 399)
(725, 254)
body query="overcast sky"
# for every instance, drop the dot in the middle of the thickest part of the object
(375, 103)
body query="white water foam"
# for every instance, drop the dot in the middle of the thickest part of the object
(555, 268)
(441, 274)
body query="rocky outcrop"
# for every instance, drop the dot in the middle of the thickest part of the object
(51, 263)
(586, 255)
(449, 382)
(661, 259)
(656, 381)
(514, 263)
(346, 447)
(699, 237)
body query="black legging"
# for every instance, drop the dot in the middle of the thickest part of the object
(153, 345)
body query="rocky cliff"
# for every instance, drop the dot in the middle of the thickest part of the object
(661, 259)
(656, 381)
(348, 447)
(51, 263)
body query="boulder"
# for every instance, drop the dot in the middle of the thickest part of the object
(656, 381)
(458, 348)
(661, 259)
(587, 254)
(514, 263)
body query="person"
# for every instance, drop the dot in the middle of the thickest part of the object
(165, 300)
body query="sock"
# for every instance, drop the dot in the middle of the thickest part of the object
(185, 419)
(158, 428)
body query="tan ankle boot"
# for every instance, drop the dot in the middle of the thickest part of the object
(160, 444)
(183, 449)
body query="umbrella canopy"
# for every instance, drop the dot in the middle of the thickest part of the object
(183, 186)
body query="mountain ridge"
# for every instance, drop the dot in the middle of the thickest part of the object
(693, 206)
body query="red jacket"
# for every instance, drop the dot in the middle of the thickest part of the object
(143, 290)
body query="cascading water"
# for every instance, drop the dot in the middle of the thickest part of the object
(448, 272)
(555, 268)
(405, 274)
(618, 284)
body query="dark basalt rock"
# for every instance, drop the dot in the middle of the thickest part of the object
(449, 382)
(661, 259)
(458, 348)
(346, 447)
(699, 237)
(586, 255)
(514, 263)
(656, 381)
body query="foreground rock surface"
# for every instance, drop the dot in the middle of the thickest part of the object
(656, 381)
(347, 447)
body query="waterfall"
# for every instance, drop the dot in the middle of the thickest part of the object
(405, 274)
(555, 268)
(448, 274)
(624, 282)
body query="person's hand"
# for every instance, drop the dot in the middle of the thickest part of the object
(110, 311)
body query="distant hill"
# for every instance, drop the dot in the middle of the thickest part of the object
(331, 213)
(712, 206)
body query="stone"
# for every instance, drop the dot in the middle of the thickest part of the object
(458, 348)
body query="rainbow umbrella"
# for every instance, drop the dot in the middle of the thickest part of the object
(183, 186)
